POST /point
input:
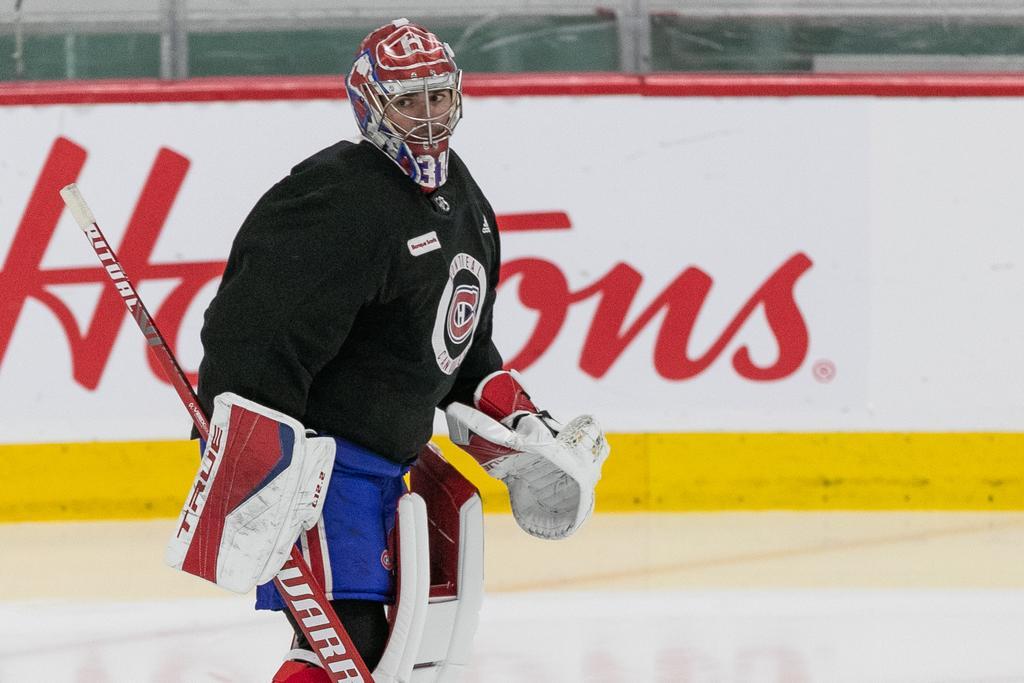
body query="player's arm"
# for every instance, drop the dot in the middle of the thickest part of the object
(550, 470)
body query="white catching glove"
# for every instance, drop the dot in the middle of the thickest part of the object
(550, 470)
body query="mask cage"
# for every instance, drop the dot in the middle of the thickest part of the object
(429, 129)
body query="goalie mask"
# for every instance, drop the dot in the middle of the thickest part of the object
(406, 93)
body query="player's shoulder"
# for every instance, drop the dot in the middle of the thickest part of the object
(345, 164)
(456, 165)
(343, 156)
(459, 174)
(324, 202)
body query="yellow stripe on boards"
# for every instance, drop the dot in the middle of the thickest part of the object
(646, 472)
(846, 471)
(115, 480)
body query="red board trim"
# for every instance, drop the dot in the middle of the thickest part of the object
(253, 88)
(836, 85)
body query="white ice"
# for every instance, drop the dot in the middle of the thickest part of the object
(719, 636)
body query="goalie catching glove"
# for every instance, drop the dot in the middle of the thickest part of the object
(550, 470)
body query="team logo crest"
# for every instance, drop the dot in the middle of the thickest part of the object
(458, 312)
(462, 312)
(410, 47)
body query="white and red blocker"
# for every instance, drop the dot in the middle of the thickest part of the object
(260, 484)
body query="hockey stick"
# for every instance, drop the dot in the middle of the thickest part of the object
(296, 584)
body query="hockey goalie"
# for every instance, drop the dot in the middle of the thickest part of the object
(358, 299)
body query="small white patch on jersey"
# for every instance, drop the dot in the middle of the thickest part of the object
(485, 227)
(424, 244)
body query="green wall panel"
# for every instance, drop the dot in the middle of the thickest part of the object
(505, 44)
(790, 43)
(116, 55)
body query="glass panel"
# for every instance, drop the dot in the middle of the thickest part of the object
(120, 38)
(763, 44)
(271, 52)
(491, 44)
(99, 55)
(582, 43)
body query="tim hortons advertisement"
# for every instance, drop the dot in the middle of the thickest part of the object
(669, 264)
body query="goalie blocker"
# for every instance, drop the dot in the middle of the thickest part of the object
(260, 484)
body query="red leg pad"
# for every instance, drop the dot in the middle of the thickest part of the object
(300, 672)
(444, 490)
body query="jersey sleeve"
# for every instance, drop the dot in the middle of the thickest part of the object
(483, 357)
(301, 268)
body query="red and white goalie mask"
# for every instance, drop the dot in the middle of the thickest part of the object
(406, 93)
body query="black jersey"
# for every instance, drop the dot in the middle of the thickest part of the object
(357, 303)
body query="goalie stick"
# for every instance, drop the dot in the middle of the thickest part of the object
(299, 589)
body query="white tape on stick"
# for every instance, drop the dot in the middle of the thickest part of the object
(79, 209)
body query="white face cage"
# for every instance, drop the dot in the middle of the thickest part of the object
(433, 126)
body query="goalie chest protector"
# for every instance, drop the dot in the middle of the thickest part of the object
(357, 303)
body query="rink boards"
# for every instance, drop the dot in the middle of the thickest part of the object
(787, 293)
(649, 473)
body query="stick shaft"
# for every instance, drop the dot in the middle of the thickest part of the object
(157, 344)
(295, 582)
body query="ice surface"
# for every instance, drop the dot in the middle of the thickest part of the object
(559, 637)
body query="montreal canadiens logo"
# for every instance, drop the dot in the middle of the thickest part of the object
(409, 47)
(462, 312)
(458, 312)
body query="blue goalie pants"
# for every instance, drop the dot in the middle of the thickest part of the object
(348, 550)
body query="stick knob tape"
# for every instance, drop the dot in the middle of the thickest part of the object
(74, 200)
